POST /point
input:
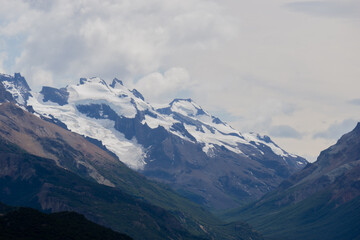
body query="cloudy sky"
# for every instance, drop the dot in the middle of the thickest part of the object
(288, 69)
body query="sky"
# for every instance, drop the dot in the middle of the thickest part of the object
(287, 69)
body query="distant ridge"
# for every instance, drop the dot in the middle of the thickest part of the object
(322, 201)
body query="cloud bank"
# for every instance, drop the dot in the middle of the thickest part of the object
(286, 69)
(67, 39)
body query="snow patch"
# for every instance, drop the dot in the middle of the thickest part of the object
(128, 151)
(257, 139)
(15, 92)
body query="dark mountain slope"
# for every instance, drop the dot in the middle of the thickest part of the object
(36, 182)
(224, 180)
(320, 202)
(30, 224)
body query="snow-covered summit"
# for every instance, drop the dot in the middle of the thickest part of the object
(186, 107)
(17, 86)
(94, 94)
(211, 132)
(92, 108)
(92, 80)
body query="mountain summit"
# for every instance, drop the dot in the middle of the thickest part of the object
(182, 145)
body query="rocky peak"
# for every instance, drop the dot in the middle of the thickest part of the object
(137, 94)
(357, 128)
(59, 96)
(346, 150)
(116, 82)
(92, 80)
(17, 86)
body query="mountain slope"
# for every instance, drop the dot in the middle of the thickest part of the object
(182, 145)
(320, 201)
(36, 182)
(51, 181)
(30, 224)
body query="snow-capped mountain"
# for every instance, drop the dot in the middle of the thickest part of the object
(211, 131)
(182, 144)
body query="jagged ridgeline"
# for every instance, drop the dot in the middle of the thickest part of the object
(181, 145)
(52, 169)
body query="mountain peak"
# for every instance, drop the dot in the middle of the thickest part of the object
(137, 94)
(17, 86)
(92, 80)
(187, 107)
(176, 100)
(116, 82)
(357, 128)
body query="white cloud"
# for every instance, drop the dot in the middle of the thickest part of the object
(107, 38)
(39, 76)
(160, 86)
(3, 57)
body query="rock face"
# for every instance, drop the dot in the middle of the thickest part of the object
(17, 86)
(5, 96)
(59, 96)
(320, 201)
(182, 145)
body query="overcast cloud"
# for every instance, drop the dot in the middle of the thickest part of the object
(284, 68)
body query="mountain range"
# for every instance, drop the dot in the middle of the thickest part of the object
(102, 151)
(181, 145)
